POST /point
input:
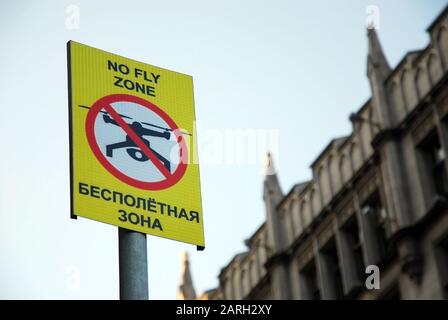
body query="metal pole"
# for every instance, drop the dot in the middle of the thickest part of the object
(133, 265)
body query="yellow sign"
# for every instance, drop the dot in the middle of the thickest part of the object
(133, 158)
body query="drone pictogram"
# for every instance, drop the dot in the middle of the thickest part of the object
(132, 148)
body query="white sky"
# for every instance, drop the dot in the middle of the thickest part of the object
(295, 66)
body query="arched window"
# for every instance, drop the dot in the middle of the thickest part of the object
(435, 69)
(409, 90)
(396, 94)
(243, 286)
(421, 78)
(442, 39)
(305, 211)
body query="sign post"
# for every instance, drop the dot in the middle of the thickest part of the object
(133, 155)
(133, 265)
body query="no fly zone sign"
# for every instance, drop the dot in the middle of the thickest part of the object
(133, 160)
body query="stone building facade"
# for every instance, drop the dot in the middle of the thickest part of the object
(377, 197)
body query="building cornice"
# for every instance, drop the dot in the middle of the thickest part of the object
(439, 205)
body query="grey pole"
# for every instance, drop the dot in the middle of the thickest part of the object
(133, 265)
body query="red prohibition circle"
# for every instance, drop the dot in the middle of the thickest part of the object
(105, 102)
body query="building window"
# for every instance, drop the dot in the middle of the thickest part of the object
(264, 293)
(236, 286)
(310, 282)
(228, 288)
(392, 294)
(285, 234)
(442, 262)
(373, 209)
(350, 231)
(434, 163)
(252, 274)
(332, 269)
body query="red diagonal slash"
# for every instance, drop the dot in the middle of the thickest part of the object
(137, 140)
